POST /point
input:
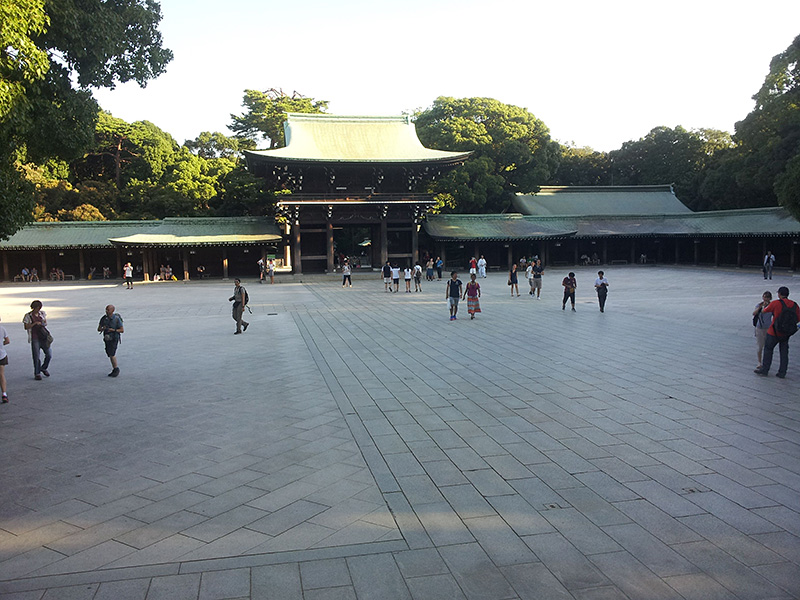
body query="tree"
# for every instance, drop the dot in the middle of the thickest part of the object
(512, 150)
(51, 53)
(582, 166)
(266, 112)
(216, 145)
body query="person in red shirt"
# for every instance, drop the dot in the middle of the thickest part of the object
(774, 338)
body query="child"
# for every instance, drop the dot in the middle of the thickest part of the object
(407, 277)
(570, 285)
(453, 293)
(472, 294)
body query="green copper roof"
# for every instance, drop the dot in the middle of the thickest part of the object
(600, 200)
(762, 222)
(341, 139)
(169, 232)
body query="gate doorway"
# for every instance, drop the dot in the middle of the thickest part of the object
(353, 243)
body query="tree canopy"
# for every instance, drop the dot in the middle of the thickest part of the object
(51, 53)
(512, 151)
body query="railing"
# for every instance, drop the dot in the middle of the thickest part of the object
(345, 196)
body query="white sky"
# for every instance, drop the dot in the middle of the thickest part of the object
(597, 73)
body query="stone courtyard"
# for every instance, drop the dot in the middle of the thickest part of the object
(355, 444)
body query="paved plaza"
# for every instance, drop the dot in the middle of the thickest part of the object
(354, 444)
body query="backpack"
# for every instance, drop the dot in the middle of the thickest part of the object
(246, 296)
(786, 323)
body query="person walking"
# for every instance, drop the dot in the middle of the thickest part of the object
(537, 270)
(407, 277)
(387, 277)
(601, 285)
(529, 277)
(472, 293)
(35, 323)
(439, 266)
(429, 269)
(239, 300)
(127, 271)
(512, 279)
(453, 291)
(111, 327)
(779, 331)
(761, 322)
(3, 362)
(346, 272)
(482, 267)
(570, 285)
(417, 278)
(769, 262)
(396, 277)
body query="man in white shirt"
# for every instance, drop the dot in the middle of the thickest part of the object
(482, 267)
(396, 277)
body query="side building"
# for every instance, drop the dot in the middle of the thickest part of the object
(616, 225)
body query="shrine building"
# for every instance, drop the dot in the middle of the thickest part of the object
(352, 186)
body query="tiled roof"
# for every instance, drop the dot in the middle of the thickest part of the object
(169, 232)
(339, 139)
(740, 223)
(600, 200)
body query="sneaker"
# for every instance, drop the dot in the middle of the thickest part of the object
(573, 309)
(236, 332)
(760, 372)
(37, 377)
(452, 317)
(45, 373)
(563, 306)
(245, 326)
(5, 398)
(114, 372)
(780, 376)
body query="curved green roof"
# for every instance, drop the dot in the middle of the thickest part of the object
(600, 200)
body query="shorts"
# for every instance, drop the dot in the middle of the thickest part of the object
(396, 281)
(387, 280)
(129, 279)
(452, 301)
(4, 360)
(111, 348)
(536, 283)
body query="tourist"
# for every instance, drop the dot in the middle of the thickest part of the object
(453, 292)
(34, 274)
(111, 327)
(776, 337)
(429, 269)
(601, 285)
(170, 276)
(529, 277)
(106, 273)
(769, 262)
(396, 277)
(407, 276)
(417, 278)
(3, 362)
(482, 267)
(762, 320)
(162, 271)
(473, 266)
(472, 293)
(271, 270)
(239, 300)
(346, 272)
(90, 276)
(537, 271)
(26, 275)
(35, 323)
(387, 277)
(127, 270)
(262, 270)
(570, 285)
(512, 280)
(439, 266)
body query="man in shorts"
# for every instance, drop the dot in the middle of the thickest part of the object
(128, 271)
(536, 279)
(396, 277)
(453, 293)
(387, 277)
(4, 341)
(111, 327)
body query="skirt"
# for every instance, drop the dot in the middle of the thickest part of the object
(473, 305)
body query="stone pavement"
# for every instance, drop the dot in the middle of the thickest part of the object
(358, 444)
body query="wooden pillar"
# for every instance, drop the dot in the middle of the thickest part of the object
(510, 256)
(384, 242)
(297, 258)
(633, 252)
(575, 257)
(792, 257)
(7, 275)
(81, 265)
(44, 276)
(146, 265)
(545, 257)
(739, 254)
(329, 246)
(605, 252)
(225, 263)
(414, 244)
(444, 256)
(677, 250)
(186, 264)
(696, 251)
(119, 263)
(716, 252)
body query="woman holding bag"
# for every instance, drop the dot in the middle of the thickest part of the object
(35, 323)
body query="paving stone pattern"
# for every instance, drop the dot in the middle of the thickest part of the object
(359, 444)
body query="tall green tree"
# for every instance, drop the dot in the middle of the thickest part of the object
(52, 52)
(217, 145)
(582, 166)
(265, 113)
(512, 151)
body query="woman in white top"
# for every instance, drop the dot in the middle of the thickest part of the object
(601, 285)
(407, 277)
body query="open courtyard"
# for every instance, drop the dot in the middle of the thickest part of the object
(357, 444)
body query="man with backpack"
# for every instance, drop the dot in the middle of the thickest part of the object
(786, 315)
(240, 300)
